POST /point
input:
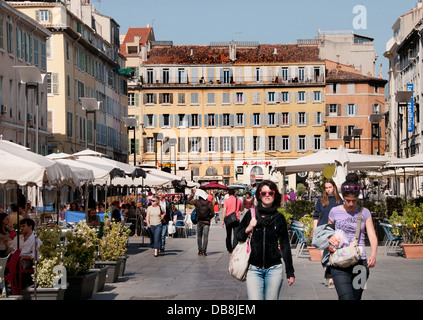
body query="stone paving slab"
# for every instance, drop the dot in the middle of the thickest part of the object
(180, 274)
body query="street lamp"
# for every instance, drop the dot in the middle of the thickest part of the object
(357, 133)
(172, 143)
(375, 119)
(32, 78)
(131, 123)
(90, 105)
(158, 137)
(403, 98)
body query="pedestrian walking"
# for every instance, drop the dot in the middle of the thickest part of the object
(205, 213)
(269, 231)
(230, 205)
(330, 198)
(167, 210)
(345, 217)
(248, 201)
(154, 223)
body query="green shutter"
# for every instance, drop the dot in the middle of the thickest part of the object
(137, 146)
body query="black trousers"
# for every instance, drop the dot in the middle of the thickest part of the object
(349, 282)
(231, 243)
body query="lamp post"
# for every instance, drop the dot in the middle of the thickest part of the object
(357, 133)
(172, 143)
(403, 98)
(32, 78)
(131, 123)
(90, 105)
(374, 120)
(158, 137)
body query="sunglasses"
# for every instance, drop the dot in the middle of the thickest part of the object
(267, 193)
(351, 188)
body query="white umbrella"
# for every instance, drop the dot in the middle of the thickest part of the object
(341, 166)
(415, 161)
(21, 166)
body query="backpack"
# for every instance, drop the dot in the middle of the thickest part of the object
(194, 216)
(203, 211)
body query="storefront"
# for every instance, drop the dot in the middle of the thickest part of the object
(254, 171)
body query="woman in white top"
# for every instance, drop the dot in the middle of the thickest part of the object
(153, 218)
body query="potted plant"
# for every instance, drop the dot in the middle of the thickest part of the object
(79, 258)
(111, 250)
(307, 221)
(49, 268)
(409, 226)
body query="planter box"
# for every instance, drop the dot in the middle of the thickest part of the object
(100, 280)
(413, 251)
(80, 287)
(113, 271)
(122, 266)
(314, 254)
(45, 294)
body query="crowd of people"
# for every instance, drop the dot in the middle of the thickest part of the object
(254, 212)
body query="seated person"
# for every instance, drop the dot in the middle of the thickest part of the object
(177, 217)
(93, 220)
(115, 217)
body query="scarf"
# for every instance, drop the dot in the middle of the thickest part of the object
(269, 215)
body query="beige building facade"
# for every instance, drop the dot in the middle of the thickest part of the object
(22, 43)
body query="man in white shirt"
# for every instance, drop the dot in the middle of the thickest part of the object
(26, 240)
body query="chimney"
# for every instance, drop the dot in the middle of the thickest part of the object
(275, 51)
(232, 50)
(86, 1)
(143, 53)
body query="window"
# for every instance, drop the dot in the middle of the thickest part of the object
(285, 143)
(210, 98)
(194, 144)
(194, 120)
(149, 98)
(226, 144)
(226, 170)
(285, 119)
(272, 143)
(271, 119)
(301, 74)
(301, 96)
(256, 97)
(301, 121)
(226, 77)
(333, 110)
(317, 96)
(225, 98)
(285, 96)
(225, 120)
(150, 77)
(317, 142)
(194, 98)
(211, 144)
(284, 74)
(301, 143)
(43, 15)
(181, 98)
(36, 52)
(68, 86)
(166, 98)
(211, 121)
(1, 33)
(211, 171)
(166, 120)
(69, 124)
(257, 74)
(256, 119)
(350, 110)
(149, 147)
(181, 76)
(9, 30)
(239, 97)
(319, 118)
(239, 119)
(131, 99)
(150, 120)
(240, 144)
(256, 143)
(271, 97)
(165, 75)
(183, 120)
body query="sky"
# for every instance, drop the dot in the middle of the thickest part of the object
(266, 21)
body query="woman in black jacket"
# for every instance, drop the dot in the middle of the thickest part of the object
(269, 229)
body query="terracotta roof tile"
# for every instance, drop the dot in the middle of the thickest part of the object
(143, 33)
(204, 54)
(337, 75)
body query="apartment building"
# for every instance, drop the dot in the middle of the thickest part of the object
(403, 50)
(235, 110)
(83, 61)
(355, 107)
(22, 43)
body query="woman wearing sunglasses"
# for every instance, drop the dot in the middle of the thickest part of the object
(154, 223)
(345, 218)
(330, 199)
(269, 229)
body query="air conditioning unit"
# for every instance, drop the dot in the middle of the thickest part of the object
(240, 170)
(3, 109)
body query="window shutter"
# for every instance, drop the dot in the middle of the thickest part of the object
(55, 83)
(356, 109)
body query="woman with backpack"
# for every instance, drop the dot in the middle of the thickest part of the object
(269, 230)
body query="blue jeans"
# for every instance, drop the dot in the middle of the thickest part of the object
(264, 284)
(156, 232)
(164, 232)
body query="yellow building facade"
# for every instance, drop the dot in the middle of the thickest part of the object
(234, 110)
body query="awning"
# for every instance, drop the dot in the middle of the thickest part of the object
(124, 72)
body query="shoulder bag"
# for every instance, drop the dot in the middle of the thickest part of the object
(231, 220)
(348, 256)
(239, 261)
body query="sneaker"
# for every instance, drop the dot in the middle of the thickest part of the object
(204, 253)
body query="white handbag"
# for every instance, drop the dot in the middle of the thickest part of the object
(238, 263)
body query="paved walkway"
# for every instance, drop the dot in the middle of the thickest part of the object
(180, 274)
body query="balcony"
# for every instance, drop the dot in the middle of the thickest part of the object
(262, 81)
